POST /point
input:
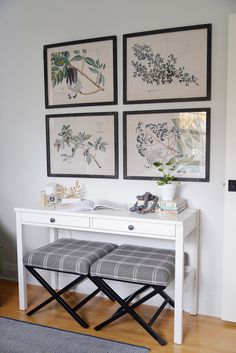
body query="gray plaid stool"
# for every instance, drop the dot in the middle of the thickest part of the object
(67, 256)
(154, 268)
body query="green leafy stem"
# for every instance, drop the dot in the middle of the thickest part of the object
(81, 141)
(63, 69)
(166, 169)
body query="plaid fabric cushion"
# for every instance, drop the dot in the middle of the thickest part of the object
(68, 255)
(137, 264)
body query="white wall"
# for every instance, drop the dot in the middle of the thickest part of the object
(25, 26)
(229, 259)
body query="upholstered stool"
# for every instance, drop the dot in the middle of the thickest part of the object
(154, 268)
(69, 256)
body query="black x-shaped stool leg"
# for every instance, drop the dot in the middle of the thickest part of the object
(129, 299)
(126, 309)
(57, 296)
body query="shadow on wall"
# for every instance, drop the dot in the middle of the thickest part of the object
(9, 252)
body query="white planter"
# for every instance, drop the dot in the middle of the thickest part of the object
(167, 191)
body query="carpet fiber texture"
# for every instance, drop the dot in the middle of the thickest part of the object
(21, 337)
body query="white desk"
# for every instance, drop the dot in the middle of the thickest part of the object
(175, 228)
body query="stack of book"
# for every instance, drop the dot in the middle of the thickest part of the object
(172, 207)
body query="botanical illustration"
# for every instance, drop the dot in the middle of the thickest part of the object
(69, 143)
(154, 69)
(82, 145)
(168, 65)
(180, 141)
(63, 69)
(82, 72)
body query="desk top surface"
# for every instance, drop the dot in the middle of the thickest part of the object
(115, 214)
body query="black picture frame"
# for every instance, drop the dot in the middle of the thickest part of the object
(81, 73)
(151, 74)
(144, 125)
(79, 140)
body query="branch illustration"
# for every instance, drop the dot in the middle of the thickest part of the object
(64, 69)
(153, 139)
(80, 141)
(100, 88)
(152, 68)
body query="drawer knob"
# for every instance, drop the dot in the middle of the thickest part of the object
(131, 227)
(52, 220)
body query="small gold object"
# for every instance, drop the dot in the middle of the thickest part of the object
(72, 192)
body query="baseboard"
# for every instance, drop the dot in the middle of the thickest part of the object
(229, 311)
(9, 271)
(209, 305)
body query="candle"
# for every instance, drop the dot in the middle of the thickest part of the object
(43, 198)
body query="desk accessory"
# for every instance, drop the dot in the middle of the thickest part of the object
(51, 194)
(69, 194)
(166, 185)
(146, 203)
(43, 199)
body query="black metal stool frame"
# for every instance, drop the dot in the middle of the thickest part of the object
(56, 295)
(129, 309)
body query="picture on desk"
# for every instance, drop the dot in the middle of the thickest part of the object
(179, 136)
(82, 145)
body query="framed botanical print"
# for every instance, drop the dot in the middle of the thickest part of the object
(178, 136)
(82, 145)
(167, 65)
(81, 73)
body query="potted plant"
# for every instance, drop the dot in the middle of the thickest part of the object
(165, 183)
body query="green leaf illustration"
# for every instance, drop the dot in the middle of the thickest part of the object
(78, 141)
(65, 71)
(54, 81)
(55, 68)
(90, 61)
(95, 71)
(88, 158)
(157, 164)
(77, 58)
(59, 61)
(97, 142)
(60, 75)
(87, 137)
(103, 80)
(66, 60)
(102, 147)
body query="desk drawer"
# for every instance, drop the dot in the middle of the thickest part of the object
(133, 227)
(56, 220)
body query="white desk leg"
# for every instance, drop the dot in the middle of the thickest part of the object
(21, 269)
(179, 282)
(194, 264)
(54, 275)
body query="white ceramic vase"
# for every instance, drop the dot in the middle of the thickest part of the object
(167, 191)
